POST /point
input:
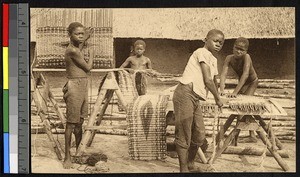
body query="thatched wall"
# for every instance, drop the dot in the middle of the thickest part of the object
(271, 58)
(189, 23)
(194, 23)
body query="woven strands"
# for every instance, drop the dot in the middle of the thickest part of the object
(147, 127)
(241, 105)
(127, 87)
(248, 104)
(52, 36)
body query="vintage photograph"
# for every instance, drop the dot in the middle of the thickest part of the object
(163, 90)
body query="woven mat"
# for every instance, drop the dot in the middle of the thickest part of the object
(127, 87)
(147, 127)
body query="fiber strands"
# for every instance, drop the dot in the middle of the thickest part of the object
(147, 127)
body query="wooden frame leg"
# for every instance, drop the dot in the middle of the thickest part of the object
(226, 143)
(87, 133)
(277, 157)
(201, 155)
(47, 127)
(226, 126)
(109, 94)
(266, 128)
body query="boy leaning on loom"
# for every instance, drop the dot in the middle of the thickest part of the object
(139, 62)
(199, 75)
(241, 62)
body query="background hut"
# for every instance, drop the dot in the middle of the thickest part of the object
(173, 34)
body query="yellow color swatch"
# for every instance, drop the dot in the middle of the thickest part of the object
(5, 67)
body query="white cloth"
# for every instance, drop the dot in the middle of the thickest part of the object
(193, 73)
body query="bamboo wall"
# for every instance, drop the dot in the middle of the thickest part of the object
(52, 37)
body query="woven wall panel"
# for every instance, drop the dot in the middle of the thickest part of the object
(53, 39)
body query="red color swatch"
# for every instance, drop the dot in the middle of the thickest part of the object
(5, 11)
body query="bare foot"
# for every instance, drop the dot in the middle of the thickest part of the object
(68, 164)
(201, 168)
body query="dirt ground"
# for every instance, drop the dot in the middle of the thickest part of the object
(116, 149)
(44, 159)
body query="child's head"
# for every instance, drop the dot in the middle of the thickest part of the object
(214, 40)
(240, 46)
(139, 47)
(76, 32)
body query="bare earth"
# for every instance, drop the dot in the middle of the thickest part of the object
(44, 159)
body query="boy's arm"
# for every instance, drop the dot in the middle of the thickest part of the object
(224, 74)
(245, 75)
(88, 33)
(216, 82)
(77, 58)
(126, 63)
(208, 81)
(149, 64)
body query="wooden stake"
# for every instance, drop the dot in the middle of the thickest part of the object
(226, 143)
(108, 96)
(265, 127)
(87, 133)
(277, 157)
(47, 126)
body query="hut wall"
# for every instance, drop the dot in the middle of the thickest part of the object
(52, 36)
(272, 58)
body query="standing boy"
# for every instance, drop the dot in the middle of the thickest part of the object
(139, 62)
(199, 75)
(76, 89)
(240, 61)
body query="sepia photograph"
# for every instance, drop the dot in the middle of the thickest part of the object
(163, 90)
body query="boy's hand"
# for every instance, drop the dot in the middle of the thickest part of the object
(219, 102)
(222, 93)
(88, 32)
(91, 52)
(232, 95)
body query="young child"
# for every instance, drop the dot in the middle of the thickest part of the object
(240, 61)
(199, 75)
(139, 62)
(76, 89)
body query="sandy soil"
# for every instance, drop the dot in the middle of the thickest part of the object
(44, 159)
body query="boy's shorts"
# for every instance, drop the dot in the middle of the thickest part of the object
(248, 85)
(141, 83)
(189, 123)
(76, 98)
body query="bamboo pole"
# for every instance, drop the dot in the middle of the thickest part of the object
(249, 150)
(277, 157)
(108, 96)
(87, 133)
(47, 127)
(266, 128)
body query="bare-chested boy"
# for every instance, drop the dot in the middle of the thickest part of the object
(139, 62)
(240, 61)
(76, 89)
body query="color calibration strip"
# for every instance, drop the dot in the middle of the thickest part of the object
(16, 88)
(5, 11)
(13, 87)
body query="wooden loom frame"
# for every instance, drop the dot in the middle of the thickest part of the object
(110, 86)
(261, 128)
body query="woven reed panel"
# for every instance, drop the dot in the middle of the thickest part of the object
(52, 36)
(146, 118)
(127, 87)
